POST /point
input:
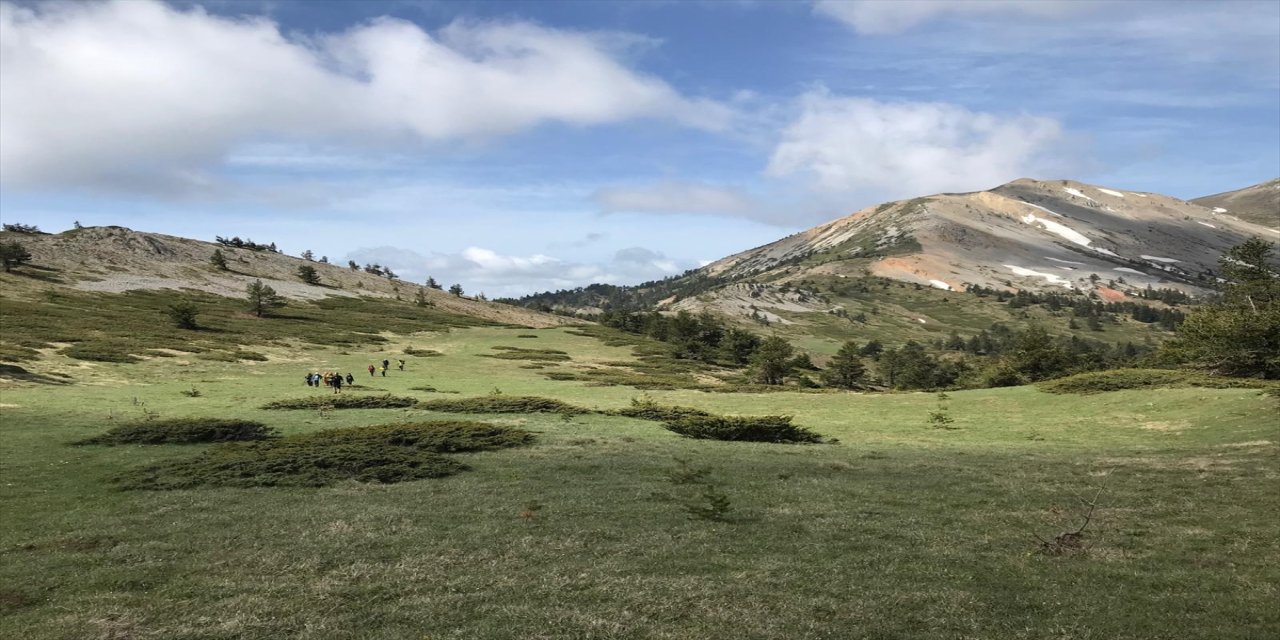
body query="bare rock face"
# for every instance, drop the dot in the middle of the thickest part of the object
(1028, 234)
(1259, 204)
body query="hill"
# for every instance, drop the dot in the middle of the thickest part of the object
(1259, 203)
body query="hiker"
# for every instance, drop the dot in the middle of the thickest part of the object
(337, 383)
(308, 379)
(384, 368)
(386, 364)
(401, 364)
(370, 371)
(350, 379)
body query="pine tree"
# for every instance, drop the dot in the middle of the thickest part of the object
(218, 260)
(307, 274)
(308, 255)
(456, 290)
(262, 298)
(13, 255)
(772, 360)
(846, 370)
(183, 314)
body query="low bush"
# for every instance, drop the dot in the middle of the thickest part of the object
(658, 413)
(381, 453)
(421, 353)
(502, 404)
(98, 353)
(336, 401)
(184, 431)
(1121, 379)
(744, 428)
(517, 353)
(232, 356)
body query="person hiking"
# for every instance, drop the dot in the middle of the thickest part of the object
(384, 368)
(386, 364)
(308, 379)
(370, 371)
(401, 364)
(337, 383)
(350, 379)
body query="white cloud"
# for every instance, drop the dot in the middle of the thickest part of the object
(910, 148)
(479, 269)
(673, 197)
(880, 17)
(136, 95)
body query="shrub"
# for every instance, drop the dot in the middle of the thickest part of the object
(517, 353)
(502, 404)
(97, 352)
(421, 353)
(648, 410)
(381, 453)
(183, 315)
(1121, 379)
(184, 431)
(745, 428)
(344, 402)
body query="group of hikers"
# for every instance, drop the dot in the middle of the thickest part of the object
(335, 380)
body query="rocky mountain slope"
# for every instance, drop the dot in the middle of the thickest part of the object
(1259, 204)
(116, 259)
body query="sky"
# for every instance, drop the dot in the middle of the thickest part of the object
(515, 147)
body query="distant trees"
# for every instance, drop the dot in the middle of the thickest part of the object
(456, 290)
(245, 244)
(21, 228)
(218, 260)
(432, 284)
(308, 255)
(307, 274)
(13, 255)
(353, 265)
(263, 299)
(1239, 336)
(183, 315)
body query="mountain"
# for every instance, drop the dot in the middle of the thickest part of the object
(896, 271)
(115, 259)
(1259, 204)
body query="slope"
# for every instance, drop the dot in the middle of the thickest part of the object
(1259, 203)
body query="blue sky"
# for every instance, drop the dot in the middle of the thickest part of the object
(521, 146)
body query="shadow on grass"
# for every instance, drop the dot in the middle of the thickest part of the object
(15, 372)
(45, 274)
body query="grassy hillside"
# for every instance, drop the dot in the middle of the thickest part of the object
(604, 526)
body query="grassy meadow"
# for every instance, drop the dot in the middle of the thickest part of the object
(599, 527)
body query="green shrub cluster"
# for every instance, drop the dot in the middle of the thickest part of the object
(517, 353)
(184, 431)
(344, 402)
(98, 352)
(742, 428)
(1121, 379)
(421, 353)
(659, 413)
(502, 404)
(383, 454)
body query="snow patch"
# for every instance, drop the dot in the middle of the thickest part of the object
(1053, 279)
(1064, 261)
(1106, 252)
(1140, 195)
(1219, 210)
(1128, 270)
(1044, 209)
(1058, 228)
(1206, 224)
(940, 284)
(1077, 193)
(1111, 193)
(1158, 258)
(920, 320)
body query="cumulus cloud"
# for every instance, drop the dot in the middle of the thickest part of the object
(479, 269)
(138, 95)
(880, 17)
(900, 149)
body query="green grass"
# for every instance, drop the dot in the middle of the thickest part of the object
(897, 531)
